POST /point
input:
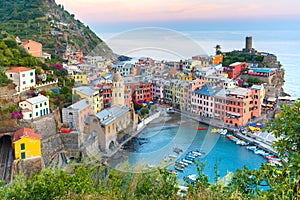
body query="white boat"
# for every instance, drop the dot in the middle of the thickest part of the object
(223, 132)
(172, 156)
(187, 161)
(259, 151)
(196, 153)
(182, 163)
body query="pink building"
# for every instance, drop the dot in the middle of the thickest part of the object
(192, 86)
(238, 106)
(33, 48)
(258, 94)
(157, 89)
(203, 100)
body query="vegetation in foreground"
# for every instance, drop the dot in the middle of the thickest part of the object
(92, 180)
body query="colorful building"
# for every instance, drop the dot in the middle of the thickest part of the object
(75, 115)
(23, 77)
(35, 107)
(239, 105)
(26, 144)
(203, 100)
(143, 93)
(33, 48)
(80, 78)
(93, 95)
(234, 70)
(217, 59)
(258, 95)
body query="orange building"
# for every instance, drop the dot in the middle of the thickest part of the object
(33, 48)
(218, 59)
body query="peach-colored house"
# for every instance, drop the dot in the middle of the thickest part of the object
(258, 94)
(238, 106)
(33, 48)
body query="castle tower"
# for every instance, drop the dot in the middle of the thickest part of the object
(118, 90)
(248, 43)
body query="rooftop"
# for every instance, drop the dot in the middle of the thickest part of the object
(207, 90)
(37, 99)
(19, 69)
(28, 132)
(80, 105)
(89, 91)
(108, 115)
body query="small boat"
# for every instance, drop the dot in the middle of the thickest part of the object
(179, 165)
(187, 161)
(178, 168)
(270, 157)
(191, 155)
(201, 128)
(182, 163)
(275, 162)
(215, 130)
(172, 156)
(251, 148)
(192, 178)
(259, 151)
(196, 153)
(189, 158)
(223, 132)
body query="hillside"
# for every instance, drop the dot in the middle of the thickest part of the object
(48, 23)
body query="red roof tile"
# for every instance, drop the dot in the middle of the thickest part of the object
(19, 69)
(28, 132)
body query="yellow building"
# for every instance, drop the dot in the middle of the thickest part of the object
(26, 144)
(80, 78)
(92, 95)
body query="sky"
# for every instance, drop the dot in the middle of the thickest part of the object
(114, 14)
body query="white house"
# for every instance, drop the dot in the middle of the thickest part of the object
(23, 77)
(35, 107)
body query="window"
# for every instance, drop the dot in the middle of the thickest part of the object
(31, 73)
(31, 81)
(10, 75)
(37, 114)
(41, 104)
(23, 75)
(30, 115)
(23, 155)
(36, 106)
(24, 82)
(23, 146)
(45, 103)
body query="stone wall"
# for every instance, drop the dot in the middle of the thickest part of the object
(28, 166)
(50, 146)
(71, 141)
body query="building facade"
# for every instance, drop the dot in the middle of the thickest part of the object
(33, 48)
(23, 77)
(26, 144)
(75, 115)
(35, 107)
(93, 95)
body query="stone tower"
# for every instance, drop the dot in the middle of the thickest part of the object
(118, 90)
(248, 46)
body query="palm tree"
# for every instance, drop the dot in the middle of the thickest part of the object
(218, 49)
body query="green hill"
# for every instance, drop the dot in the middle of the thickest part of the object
(48, 23)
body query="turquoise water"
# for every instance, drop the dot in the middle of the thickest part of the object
(159, 142)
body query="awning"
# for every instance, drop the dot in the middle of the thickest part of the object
(272, 99)
(234, 114)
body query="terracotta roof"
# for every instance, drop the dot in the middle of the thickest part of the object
(25, 132)
(19, 69)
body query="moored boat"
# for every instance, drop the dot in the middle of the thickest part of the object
(201, 128)
(223, 132)
(178, 168)
(187, 161)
